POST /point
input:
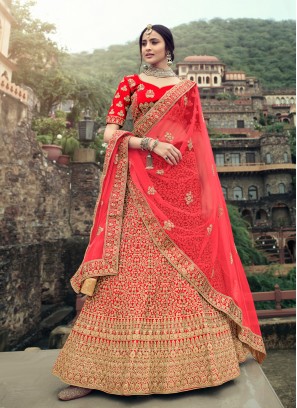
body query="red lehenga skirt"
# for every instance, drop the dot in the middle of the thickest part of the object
(147, 330)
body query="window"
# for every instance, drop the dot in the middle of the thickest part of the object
(237, 193)
(199, 80)
(215, 80)
(286, 157)
(253, 193)
(281, 188)
(225, 192)
(201, 66)
(235, 158)
(268, 158)
(191, 78)
(250, 158)
(184, 69)
(207, 80)
(240, 124)
(220, 159)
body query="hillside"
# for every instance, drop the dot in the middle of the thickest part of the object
(261, 48)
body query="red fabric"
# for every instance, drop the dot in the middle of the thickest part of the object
(182, 206)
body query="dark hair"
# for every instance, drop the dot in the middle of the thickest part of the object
(166, 34)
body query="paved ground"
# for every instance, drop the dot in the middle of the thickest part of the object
(26, 382)
(280, 369)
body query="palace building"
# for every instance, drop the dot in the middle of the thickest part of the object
(255, 166)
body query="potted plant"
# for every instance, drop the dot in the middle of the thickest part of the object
(49, 133)
(69, 143)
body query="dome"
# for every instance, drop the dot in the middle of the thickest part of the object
(201, 58)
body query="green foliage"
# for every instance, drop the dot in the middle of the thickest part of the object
(247, 253)
(265, 282)
(49, 126)
(225, 96)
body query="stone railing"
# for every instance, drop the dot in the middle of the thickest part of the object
(13, 90)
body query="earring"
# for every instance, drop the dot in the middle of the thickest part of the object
(169, 60)
(145, 66)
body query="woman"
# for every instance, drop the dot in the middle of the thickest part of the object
(172, 310)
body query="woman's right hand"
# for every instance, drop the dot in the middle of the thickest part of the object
(169, 153)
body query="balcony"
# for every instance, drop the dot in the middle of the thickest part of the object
(256, 167)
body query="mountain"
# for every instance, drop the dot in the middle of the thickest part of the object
(261, 48)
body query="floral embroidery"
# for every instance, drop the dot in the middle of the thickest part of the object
(111, 112)
(150, 93)
(119, 104)
(168, 225)
(209, 229)
(114, 119)
(127, 98)
(189, 198)
(160, 172)
(121, 113)
(221, 211)
(144, 107)
(131, 82)
(190, 144)
(168, 137)
(100, 229)
(124, 88)
(116, 159)
(140, 87)
(117, 95)
(151, 190)
(231, 259)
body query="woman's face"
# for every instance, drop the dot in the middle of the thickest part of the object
(153, 49)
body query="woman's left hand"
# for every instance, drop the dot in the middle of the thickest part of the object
(169, 153)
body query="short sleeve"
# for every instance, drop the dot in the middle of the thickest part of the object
(121, 101)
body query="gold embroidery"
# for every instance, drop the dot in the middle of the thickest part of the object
(121, 113)
(140, 87)
(150, 93)
(117, 95)
(131, 82)
(231, 259)
(111, 112)
(190, 144)
(168, 137)
(124, 88)
(221, 211)
(119, 104)
(127, 98)
(116, 159)
(209, 229)
(185, 100)
(189, 198)
(100, 229)
(145, 107)
(151, 190)
(115, 119)
(212, 169)
(168, 225)
(160, 172)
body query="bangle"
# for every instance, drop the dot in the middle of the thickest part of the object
(156, 142)
(145, 142)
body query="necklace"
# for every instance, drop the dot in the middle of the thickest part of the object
(159, 72)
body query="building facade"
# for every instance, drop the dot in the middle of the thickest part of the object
(255, 167)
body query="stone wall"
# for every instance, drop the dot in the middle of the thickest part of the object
(38, 202)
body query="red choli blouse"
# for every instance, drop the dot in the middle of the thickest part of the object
(134, 92)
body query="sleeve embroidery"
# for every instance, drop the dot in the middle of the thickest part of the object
(122, 99)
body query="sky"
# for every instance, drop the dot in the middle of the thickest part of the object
(85, 25)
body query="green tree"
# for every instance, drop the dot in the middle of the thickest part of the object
(244, 244)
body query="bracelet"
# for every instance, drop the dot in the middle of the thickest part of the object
(145, 143)
(156, 142)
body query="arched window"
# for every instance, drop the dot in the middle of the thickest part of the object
(268, 158)
(292, 101)
(253, 193)
(207, 80)
(225, 192)
(277, 101)
(286, 157)
(237, 193)
(191, 78)
(215, 80)
(281, 188)
(199, 80)
(283, 101)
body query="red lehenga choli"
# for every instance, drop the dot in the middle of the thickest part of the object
(172, 310)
